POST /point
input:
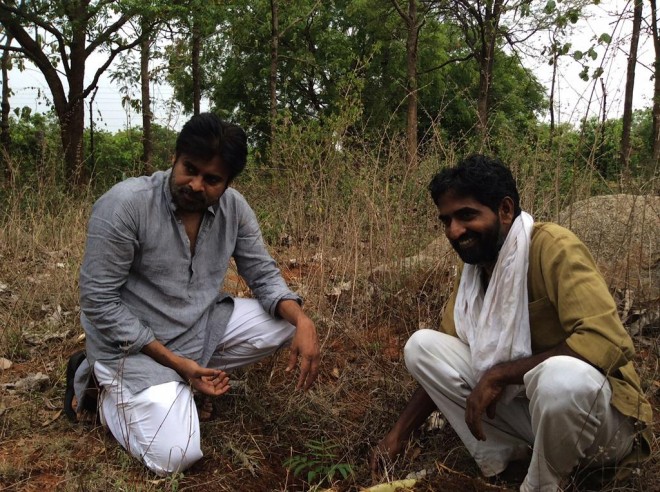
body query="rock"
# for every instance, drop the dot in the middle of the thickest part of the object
(5, 364)
(29, 383)
(623, 234)
(437, 254)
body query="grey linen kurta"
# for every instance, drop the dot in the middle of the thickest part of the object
(139, 281)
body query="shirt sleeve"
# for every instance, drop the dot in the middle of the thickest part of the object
(585, 307)
(255, 264)
(112, 241)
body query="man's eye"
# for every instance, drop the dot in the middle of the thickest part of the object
(212, 180)
(190, 169)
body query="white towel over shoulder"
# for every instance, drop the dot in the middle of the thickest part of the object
(495, 324)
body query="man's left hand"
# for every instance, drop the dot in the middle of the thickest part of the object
(305, 345)
(484, 398)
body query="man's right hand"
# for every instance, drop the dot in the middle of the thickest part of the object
(212, 382)
(384, 453)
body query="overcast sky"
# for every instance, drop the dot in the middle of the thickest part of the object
(573, 94)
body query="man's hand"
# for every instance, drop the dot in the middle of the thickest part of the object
(212, 382)
(417, 410)
(305, 344)
(385, 452)
(484, 398)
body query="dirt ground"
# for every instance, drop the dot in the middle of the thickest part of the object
(263, 421)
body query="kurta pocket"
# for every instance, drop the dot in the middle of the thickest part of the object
(544, 324)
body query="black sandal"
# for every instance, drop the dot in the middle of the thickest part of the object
(72, 366)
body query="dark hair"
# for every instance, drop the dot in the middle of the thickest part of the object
(206, 135)
(483, 178)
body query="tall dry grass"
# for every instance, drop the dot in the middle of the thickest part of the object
(332, 209)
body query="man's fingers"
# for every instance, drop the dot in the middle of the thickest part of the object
(313, 374)
(305, 366)
(490, 411)
(293, 359)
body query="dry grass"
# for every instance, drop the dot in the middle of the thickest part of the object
(330, 216)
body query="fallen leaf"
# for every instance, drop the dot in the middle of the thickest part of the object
(53, 418)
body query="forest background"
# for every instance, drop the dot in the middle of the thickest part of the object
(350, 107)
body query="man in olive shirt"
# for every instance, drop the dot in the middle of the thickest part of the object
(531, 362)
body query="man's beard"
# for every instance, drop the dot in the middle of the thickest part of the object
(484, 248)
(186, 199)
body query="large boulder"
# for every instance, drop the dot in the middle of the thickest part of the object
(623, 234)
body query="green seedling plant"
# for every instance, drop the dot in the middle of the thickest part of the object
(319, 463)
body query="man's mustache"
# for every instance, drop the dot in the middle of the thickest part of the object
(465, 237)
(196, 196)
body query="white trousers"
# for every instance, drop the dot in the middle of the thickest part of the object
(159, 425)
(565, 420)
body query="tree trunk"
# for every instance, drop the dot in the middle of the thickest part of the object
(196, 69)
(72, 122)
(656, 86)
(72, 125)
(274, 46)
(5, 137)
(411, 75)
(555, 59)
(630, 85)
(147, 138)
(486, 63)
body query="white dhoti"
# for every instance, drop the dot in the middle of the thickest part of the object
(565, 419)
(159, 425)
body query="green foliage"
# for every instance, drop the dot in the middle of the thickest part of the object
(319, 464)
(117, 156)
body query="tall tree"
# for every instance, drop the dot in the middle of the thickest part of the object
(59, 36)
(5, 138)
(145, 93)
(414, 22)
(655, 34)
(489, 24)
(274, 58)
(630, 87)
(194, 25)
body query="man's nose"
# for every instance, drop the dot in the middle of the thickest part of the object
(454, 230)
(197, 183)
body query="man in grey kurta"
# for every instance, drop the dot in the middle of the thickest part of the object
(157, 325)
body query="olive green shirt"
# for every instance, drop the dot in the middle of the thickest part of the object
(569, 301)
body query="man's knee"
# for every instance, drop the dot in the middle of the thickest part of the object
(418, 341)
(566, 382)
(165, 457)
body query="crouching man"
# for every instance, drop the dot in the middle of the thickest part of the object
(531, 361)
(157, 326)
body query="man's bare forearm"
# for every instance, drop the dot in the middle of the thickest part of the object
(513, 372)
(417, 410)
(161, 354)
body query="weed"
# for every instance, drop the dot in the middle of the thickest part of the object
(319, 464)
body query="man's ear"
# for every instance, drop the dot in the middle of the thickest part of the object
(506, 211)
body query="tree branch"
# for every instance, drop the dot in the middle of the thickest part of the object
(452, 60)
